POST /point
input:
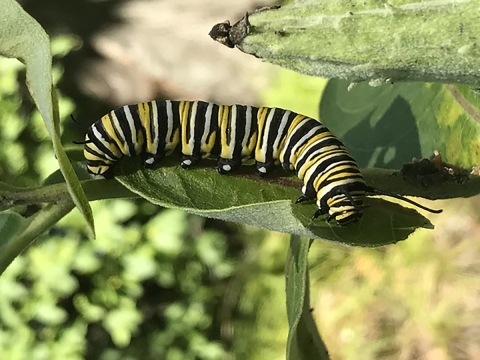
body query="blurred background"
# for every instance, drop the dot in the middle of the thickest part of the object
(162, 284)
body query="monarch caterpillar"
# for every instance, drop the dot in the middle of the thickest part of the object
(234, 134)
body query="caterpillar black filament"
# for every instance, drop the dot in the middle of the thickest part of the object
(234, 134)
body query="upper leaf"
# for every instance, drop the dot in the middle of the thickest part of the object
(403, 40)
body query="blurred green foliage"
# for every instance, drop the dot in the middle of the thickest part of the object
(415, 300)
(137, 290)
(16, 160)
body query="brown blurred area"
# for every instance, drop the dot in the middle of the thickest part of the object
(137, 50)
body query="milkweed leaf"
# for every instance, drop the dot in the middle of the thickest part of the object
(252, 200)
(11, 223)
(369, 40)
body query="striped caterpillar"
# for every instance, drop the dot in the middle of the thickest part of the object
(234, 134)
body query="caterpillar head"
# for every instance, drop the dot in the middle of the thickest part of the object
(344, 208)
(97, 161)
(99, 167)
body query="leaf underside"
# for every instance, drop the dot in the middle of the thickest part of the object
(404, 40)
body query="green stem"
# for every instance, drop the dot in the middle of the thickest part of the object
(304, 341)
(42, 221)
(311, 327)
(52, 194)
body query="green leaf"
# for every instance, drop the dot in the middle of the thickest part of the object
(388, 125)
(37, 224)
(11, 223)
(303, 342)
(263, 202)
(23, 38)
(404, 40)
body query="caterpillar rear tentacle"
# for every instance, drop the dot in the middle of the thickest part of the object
(234, 134)
(373, 191)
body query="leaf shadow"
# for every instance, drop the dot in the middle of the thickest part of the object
(385, 134)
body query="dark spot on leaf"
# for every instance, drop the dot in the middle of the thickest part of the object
(232, 35)
(220, 32)
(427, 172)
(229, 35)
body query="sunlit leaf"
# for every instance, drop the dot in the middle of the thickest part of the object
(388, 125)
(122, 322)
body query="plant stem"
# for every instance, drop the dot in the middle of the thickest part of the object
(52, 194)
(304, 341)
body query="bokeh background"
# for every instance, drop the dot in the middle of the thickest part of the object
(162, 284)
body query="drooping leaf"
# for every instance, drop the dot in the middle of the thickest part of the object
(263, 202)
(23, 38)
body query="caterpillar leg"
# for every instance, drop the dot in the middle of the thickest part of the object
(287, 166)
(224, 166)
(150, 160)
(188, 161)
(307, 195)
(302, 199)
(265, 168)
(320, 212)
(109, 174)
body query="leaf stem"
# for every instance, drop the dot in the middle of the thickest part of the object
(52, 194)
